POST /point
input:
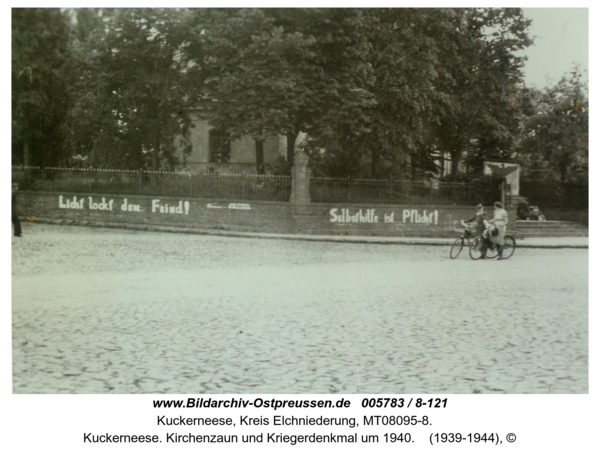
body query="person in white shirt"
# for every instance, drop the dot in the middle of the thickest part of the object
(497, 228)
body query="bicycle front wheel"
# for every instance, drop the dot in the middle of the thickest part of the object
(476, 249)
(456, 248)
(509, 246)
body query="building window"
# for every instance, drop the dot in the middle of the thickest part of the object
(219, 145)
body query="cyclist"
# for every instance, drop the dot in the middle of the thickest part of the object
(496, 229)
(478, 219)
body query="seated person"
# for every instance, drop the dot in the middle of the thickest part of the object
(534, 213)
(537, 215)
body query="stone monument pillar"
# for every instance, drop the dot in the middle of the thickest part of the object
(300, 174)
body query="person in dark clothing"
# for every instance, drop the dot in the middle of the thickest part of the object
(479, 220)
(523, 211)
(15, 213)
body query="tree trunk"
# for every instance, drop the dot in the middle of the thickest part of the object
(155, 159)
(27, 162)
(374, 163)
(260, 157)
(155, 153)
(26, 153)
(291, 141)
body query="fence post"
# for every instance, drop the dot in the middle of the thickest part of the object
(141, 180)
(348, 189)
(469, 193)
(431, 192)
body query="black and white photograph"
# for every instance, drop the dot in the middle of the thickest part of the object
(267, 201)
(299, 201)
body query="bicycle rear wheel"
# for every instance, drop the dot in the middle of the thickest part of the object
(475, 251)
(509, 246)
(492, 252)
(456, 248)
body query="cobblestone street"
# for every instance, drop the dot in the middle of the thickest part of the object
(117, 311)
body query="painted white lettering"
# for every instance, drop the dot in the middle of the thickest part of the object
(129, 207)
(65, 203)
(333, 215)
(101, 206)
(239, 206)
(181, 208)
(361, 216)
(414, 217)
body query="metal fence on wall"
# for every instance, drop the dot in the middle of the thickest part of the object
(433, 192)
(177, 184)
(254, 187)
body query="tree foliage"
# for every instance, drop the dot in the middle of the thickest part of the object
(396, 87)
(555, 137)
(129, 89)
(380, 92)
(264, 72)
(481, 115)
(39, 99)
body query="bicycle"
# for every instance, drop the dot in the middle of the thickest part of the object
(459, 243)
(477, 244)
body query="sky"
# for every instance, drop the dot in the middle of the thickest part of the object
(562, 40)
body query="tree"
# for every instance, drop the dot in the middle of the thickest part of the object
(263, 72)
(485, 92)
(555, 137)
(392, 88)
(39, 98)
(129, 89)
(411, 52)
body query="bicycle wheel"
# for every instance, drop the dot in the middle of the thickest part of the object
(509, 246)
(456, 248)
(492, 252)
(476, 248)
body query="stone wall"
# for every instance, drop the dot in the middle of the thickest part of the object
(266, 217)
(579, 216)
